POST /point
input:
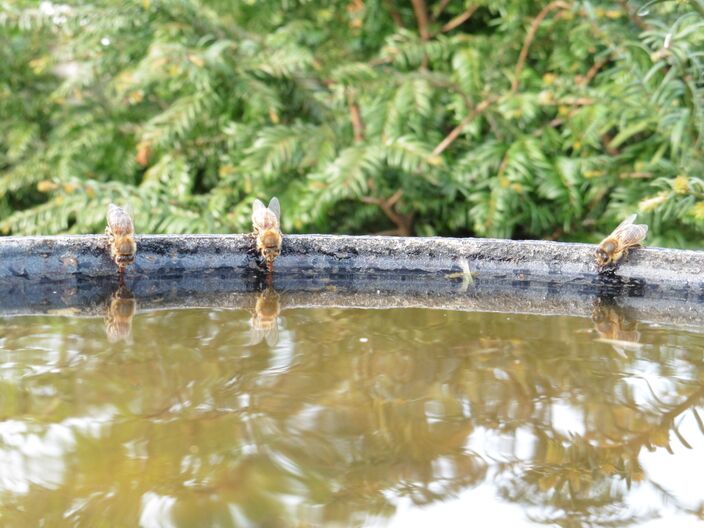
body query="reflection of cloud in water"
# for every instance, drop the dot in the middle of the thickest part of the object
(156, 511)
(29, 458)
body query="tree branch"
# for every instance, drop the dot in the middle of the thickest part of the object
(637, 21)
(552, 6)
(356, 118)
(404, 223)
(395, 16)
(421, 11)
(592, 72)
(452, 136)
(459, 19)
(440, 8)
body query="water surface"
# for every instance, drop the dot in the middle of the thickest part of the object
(349, 417)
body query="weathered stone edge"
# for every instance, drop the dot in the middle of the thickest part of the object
(87, 255)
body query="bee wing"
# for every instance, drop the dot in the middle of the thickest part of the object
(275, 207)
(258, 213)
(263, 218)
(631, 234)
(272, 336)
(627, 221)
(119, 221)
(255, 336)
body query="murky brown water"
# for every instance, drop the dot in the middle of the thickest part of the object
(348, 417)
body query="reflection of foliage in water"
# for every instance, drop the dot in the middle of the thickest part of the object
(366, 406)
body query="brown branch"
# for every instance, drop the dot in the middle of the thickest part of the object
(606, 143)
(421, 11)
(552, 6)
(356, 118)
(395, 16)
(404, 223)
(440, 8)
(570, 101)
(459, 19)
(637, 21)
(452, 136)
(592, 72)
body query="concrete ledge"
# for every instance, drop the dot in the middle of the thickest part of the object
(35, 258)
(74, 275)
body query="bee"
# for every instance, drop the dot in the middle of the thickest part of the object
(119, 314)
(615, 246)
(615, 328)
(120, 232)
(266, 228)
(264, 322)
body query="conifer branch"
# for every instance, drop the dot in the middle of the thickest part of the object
(421, 12)
(355, 118)
(637, 20)
(452, 136)
(552, 6)
(404, 223)
(440, 8)
(459, 19)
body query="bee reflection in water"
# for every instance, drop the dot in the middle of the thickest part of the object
(118, 315)
(264, 323)
(614, 327)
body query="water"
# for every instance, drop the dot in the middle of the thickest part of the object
(274, 416)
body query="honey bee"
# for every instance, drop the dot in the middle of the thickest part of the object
(614, 247)
(119, 314)
(266, 228)
(120, 232)
(614, 328)
(264, 322)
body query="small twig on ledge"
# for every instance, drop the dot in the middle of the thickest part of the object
(459, 19)
(452, 136)
(356, 118)
(404, 223)
(552, 6)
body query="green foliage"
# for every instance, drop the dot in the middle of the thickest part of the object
(525, 119)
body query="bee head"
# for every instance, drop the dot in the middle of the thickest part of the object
(270, 253)
(603, 254)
